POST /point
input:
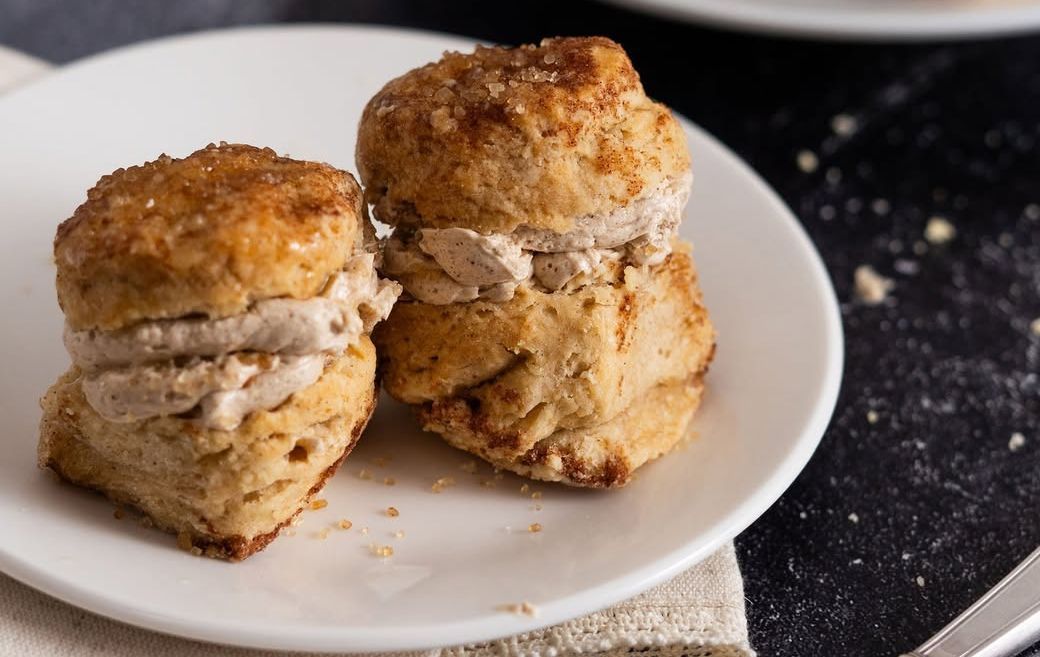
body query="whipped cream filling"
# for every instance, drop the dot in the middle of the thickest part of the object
(131, 374)
(353, 300)
(454, 265)
(223, 391)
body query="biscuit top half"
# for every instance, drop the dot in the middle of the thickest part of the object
(208, 235)
(537, 135)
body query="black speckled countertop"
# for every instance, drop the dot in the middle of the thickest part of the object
(919, 498)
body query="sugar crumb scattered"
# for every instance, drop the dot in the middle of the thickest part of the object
(319, 503)
(1016, 442)
(939, 231)
(442, 483)
(920, 581)
(468, 466)
(872, 417)
(1032, 211)
(364, 474)
(392, 511)
(344, 524)
(389, 481)
(521, 609)
(807, 161)
(534, 527)
(871, 287)
(1034, 326)
(383, 551)
(853, 518)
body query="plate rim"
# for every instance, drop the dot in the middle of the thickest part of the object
(488, 627)
(863, 25)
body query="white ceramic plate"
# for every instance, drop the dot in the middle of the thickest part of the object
(466, 551)
(881, 20)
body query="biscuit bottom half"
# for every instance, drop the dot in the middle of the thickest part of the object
(227, 492)
(581, 387)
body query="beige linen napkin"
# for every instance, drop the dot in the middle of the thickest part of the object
(700, 613)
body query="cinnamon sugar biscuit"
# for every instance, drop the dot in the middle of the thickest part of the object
(536, 194)
(218, 309)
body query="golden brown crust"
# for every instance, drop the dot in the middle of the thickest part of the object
(230, 492)
(500, 379)
(535, 135)
(210, 233)
(603, 455)
(232, 548)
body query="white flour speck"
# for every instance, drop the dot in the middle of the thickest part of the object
(844, 125)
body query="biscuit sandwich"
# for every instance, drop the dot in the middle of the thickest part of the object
(217, 313)
(551, 321)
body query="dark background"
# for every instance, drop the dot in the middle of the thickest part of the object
(948, 364)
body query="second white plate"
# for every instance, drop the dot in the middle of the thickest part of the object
(871, 20)
(465, 551)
